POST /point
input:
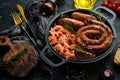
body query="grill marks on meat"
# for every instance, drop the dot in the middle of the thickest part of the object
(20, 68)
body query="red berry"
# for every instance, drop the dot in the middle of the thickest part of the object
(70, 41)
(117, 3)
(64, 50)
(60, 34)
(110, 1)
(62, 43)
(112, 7)
(105, 3)
(118, 10)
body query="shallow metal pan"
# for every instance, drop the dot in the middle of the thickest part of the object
(108, 22)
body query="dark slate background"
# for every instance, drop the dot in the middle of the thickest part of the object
(9, 6)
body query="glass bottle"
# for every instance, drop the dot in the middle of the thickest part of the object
(84, 4)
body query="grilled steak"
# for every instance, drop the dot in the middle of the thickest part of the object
(21, 61)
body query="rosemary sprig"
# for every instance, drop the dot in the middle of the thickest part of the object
(82, 53)
(99, 17)
(19, 56)
(86, 72)
(70, 28)
(82, 76)
(64, 16)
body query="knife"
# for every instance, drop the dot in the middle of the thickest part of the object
(21, 10)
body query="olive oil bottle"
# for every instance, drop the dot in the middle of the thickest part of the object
(84, 4)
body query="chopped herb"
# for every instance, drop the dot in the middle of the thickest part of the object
(99, 17)
(64, 15)
(19, 56)
(70, 28)
(85, 54)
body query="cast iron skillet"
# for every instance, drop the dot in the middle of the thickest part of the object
(108, 22)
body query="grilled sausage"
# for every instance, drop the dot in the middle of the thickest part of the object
(82, 16)
(72, 22)
(96, 37)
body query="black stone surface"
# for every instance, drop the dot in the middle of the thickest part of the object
(67, 71)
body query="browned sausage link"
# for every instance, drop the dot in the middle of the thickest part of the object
(102, 25)
(82, 16)
(95, 38)
(93, 33)
(74, 23)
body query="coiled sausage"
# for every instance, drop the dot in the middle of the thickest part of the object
(96, 37)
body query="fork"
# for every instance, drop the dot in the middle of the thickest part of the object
(21, 10)
(18, 21)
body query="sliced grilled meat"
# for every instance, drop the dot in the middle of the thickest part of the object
(20, 63)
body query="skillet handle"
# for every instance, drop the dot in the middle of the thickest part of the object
(105, 12)
(50, 62)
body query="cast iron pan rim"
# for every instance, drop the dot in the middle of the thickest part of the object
(103, 55)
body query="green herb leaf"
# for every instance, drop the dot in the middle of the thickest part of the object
(19, 56)
(99, 17)
(70, 28)
(86, 72)
(64, 16)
